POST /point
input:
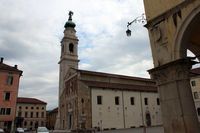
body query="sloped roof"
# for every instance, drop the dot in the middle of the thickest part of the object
(29, 100)
(114, 75)
(9, 68)
(130, 87)
(55, 110)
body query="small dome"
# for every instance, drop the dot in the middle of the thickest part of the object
(70, 24)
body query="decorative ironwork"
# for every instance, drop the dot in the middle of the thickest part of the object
(139, 19)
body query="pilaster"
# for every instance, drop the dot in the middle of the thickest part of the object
(177, 105)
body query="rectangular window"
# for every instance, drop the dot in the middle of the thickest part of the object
(158, 101)
(196, 96)
(26, 114)
(42, 114)
(25, 123)
(145, 101)
(19, 114)
(116, 100)
(132, 100)
(5, 111)
(99, 100)
(42, 123)
(8, 111)
(9, 79)
(6, 96)
(193, 83)
(2, 111)
(37, 114)
(31, 114)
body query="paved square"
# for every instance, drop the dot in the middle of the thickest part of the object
(136, 130)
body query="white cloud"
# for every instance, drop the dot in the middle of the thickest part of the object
(31, 32)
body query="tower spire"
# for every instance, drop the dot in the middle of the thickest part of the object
(69, 23)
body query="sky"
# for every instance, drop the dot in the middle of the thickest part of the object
(31, 31)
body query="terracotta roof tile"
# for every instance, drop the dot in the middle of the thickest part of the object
(29, 100)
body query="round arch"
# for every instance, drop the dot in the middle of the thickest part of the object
(188, 36)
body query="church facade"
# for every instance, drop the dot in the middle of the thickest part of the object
(108, 101)
(89, 99)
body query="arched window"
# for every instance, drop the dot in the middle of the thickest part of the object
(71, 47)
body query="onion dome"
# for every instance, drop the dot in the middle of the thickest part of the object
(69, 23)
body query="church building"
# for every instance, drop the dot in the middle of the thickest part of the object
(89, 99)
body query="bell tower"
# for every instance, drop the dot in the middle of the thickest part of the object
(69, 51)
(68, 59)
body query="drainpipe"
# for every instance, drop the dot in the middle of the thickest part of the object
(144, 127)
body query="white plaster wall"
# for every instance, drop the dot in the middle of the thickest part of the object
(133, 113)
(196, 89)
(152, 108)
(108, 115)
(197, 105)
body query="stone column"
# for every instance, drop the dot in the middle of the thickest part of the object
(177, 106)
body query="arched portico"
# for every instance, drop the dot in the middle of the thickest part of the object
(174, 28)
(188, 36)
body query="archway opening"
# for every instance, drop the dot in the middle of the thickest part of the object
(192, 55)
(190, 41)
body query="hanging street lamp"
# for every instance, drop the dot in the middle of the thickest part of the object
(139, 19)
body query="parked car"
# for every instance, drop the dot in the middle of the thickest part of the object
(42, 130)
(20, 130)
(25, 129)
(1, 130)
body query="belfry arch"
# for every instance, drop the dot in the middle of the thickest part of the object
(174, 28)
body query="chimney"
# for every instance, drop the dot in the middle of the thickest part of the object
(16, 66)
(1, 59)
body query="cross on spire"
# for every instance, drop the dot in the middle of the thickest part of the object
(70, 15)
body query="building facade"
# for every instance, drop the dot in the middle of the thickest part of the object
(100, 100)
(51, 118)
(108, 101)
(195, 85)
(173, 27)
(30, 113)
(9, 85)
(115, 109)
